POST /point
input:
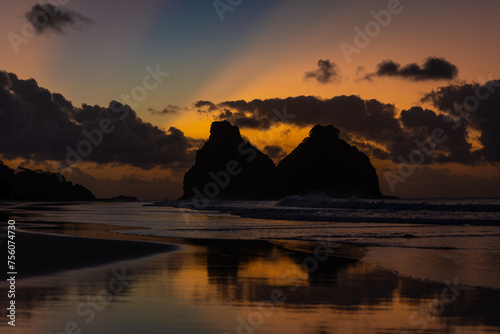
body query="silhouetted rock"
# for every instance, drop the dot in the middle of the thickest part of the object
(30, 185)
(227, 167)
(325, 164)
(120, 198)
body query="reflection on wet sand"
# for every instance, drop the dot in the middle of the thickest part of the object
(248, 287)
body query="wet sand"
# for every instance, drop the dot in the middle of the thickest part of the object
(224, 286)
(54, 249)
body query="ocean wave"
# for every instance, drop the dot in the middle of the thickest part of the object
(392, 205)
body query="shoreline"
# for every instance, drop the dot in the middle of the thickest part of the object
(85, 245)
(45, 253)
(45, 248)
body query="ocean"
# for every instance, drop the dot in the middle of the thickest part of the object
(301, 265)
(426, 239)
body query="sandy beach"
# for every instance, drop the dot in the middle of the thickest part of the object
(43, 253)
(218, 286)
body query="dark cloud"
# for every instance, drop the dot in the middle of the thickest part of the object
(47, 17)
(326, 72)
(370, 149)
(368, 119)
(242, 120)
(348, 112)
(455, 148)
(434, 68)
(275, 152)
(170, 109)
(225, 114)
(38, 125)
(475, 106)
(205, 104)
(285, 133)
(375, 127)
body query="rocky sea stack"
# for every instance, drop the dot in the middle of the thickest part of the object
(228, 167)
(325, 164)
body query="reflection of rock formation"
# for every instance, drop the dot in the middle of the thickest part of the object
(466, 305)
(225, 258)
(163, 286)
(222, 266)
(335, 281)
(29, 298)
(320, 273)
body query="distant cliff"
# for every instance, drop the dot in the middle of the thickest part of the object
(325, 164)
(30, 185)
(227, 167)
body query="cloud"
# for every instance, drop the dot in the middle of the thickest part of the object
(38, 125)
(434, 68)
(327, 72)
(455, 148)
(242, 119)
(348, 112)
(379, 129)
(275, 152)
(170, 109)
(203, 104)
(476, 107)
(49, 18)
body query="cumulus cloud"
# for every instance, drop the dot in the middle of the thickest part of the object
(475, 106)
(379, 129)
(327, 72)
(434, 68)
(38, 125)
(455, 148)
(348, 112)
(49, 18)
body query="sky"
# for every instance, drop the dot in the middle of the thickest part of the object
(386, 73)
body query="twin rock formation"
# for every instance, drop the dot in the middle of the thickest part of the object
(227, 167)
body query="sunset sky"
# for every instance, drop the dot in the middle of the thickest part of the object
(99, 51)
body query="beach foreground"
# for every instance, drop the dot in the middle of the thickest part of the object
(227, 286)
